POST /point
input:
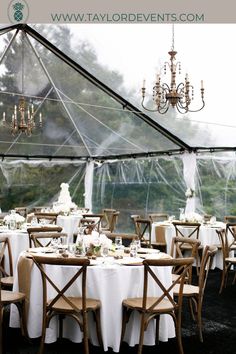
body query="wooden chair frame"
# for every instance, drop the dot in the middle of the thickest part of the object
(227, 260)
(196, 293)
(152, 307)
(36, 229)
(49, 236)
(177, 252)
(141, 227)
(155, 217)
(53, 307)
(6, 277)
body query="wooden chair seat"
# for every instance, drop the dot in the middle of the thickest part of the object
(230, 260)
(137, 303)
(62, 306)
(188, 289)
(10, 297)
(7, 282)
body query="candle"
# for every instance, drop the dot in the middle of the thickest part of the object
(202, 84)
(144, 81)
(32, 109)
(28, 114)
(4, 116)
(40, 117)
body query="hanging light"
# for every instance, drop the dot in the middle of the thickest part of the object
(23, 115)
(178, 96)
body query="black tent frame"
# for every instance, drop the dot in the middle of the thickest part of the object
(122, 101)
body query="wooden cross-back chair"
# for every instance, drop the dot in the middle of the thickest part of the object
(44, 239)
(151, 307)
(109, 220)
(178, 252)
(143, 230)
(7, 298)
(195, 293)
(50, 218)
(228, 260)
(35, 229)
(230, 231)
(230, 219)
(63, 305)
(5, 251)
(92, 219)
(156, 217)
(189, 230)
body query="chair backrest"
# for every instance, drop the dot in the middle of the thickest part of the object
(50, 218)
(206, 263)
(207, 217)
(230, 219)
(149, 273)
(34, 229)
(44, 239)
(158, 217)
(224, 243)
(60, 292)
(143, 229)
(230, 232)
(93, 219)
(107, 217)
(5, 248)
(177, 252)
(187, 229)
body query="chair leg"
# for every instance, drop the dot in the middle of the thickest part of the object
(85, 330)
(125, 319)
(23, 323)
(157, 328)
(223, 280)
(141, 335)
(199, 321)
(1, 325)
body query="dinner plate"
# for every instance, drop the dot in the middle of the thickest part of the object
(41, 250)
(148, 250)
(129, 261)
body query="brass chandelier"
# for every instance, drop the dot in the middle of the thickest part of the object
(22, 119)
(178, 96)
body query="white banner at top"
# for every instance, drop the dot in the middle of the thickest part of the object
(122, 11)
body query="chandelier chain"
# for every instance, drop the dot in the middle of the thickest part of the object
(173, 38)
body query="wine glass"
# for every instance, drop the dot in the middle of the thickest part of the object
(118, 242)
(104, 252)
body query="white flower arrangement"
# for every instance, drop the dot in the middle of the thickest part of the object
(97, 240)
(193, 217)
(17, 217)
(190, 193)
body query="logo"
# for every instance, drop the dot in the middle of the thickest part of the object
(18, 11)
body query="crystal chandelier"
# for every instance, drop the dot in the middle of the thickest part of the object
(178, 96)
(23, 115)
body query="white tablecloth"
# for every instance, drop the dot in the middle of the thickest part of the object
(19, 242)
(69, 224)
(110, 284)
(207, 236)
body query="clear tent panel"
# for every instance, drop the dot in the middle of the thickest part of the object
(101, 122)
(117, 49)
(216, 184)
(139, 186)
(38, 183)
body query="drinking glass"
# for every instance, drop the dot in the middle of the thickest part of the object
(133, 250)
(118, 242)
(104, 252)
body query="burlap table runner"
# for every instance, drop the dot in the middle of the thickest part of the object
(24, 278)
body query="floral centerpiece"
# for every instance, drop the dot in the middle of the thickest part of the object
(193, 217)
(190, 193)
(64, 203)
(94, 243)
(14, 220)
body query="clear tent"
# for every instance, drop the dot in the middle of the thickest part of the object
(90, 115)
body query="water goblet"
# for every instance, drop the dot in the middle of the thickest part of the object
(104, 252)
(118, 242)
(133, 249)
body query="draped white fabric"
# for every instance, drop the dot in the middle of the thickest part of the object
(189, 170)
(88, 183)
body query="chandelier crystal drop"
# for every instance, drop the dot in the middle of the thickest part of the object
(179, 96)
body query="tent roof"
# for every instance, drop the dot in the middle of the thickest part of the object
(83, 117)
